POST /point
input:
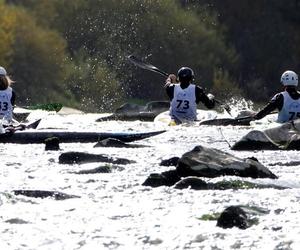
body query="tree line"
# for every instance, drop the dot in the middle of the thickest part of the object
(74, 51)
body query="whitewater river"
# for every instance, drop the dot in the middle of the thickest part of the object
(115, 211)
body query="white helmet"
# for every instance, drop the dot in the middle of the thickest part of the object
(289, 78)
(2, 71)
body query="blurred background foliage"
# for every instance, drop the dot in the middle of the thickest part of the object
(74, 51)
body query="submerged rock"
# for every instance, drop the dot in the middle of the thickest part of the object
(242, 217)
(80, 157)
(98, 170)
(111, 142)
(192, 183)
(168, 178)
(197, 183)
(233, 216)
(52, 143)
(45, 194)
(17, 221)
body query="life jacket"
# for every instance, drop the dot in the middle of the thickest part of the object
(6, 108)
(183, 106)
(290, 108)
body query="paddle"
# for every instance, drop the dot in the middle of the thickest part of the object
(139, 63)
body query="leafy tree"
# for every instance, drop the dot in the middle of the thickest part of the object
(39, 57)
(7, 23)
(159, 31)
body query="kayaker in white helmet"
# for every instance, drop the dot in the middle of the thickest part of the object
(184, 96)
(287, 102)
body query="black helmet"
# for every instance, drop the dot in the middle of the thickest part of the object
(185, 74)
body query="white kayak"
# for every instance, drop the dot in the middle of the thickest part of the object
(165, 118)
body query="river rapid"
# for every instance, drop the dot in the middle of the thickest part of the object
(115, 211)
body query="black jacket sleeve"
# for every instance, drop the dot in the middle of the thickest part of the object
(275, 103)
(202, 97)
(170, 91)
(13, 98)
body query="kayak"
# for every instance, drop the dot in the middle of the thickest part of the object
(165, 118)
(37, 136)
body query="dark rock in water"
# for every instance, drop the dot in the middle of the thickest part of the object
(282, 137)
(197, 183)
(111, 142)
(52, 143)
(80, 157)
(191, 182)
(170, 162)
(207, 162)
(168, 178)
(233, 216)
(290, 163)
(16, 221)
(239, 184)
(130, 111)
(98, 170)
(45, 194)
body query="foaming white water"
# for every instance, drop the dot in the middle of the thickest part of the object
(115, 211)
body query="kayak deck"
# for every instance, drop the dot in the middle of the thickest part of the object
(35, 136)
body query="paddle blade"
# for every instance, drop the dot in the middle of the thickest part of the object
(139, 63)
(224, 106)
(33, 124)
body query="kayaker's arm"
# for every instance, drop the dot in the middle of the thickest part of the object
(202, 97)
(169, 85)
(13, 98)
(275, 103)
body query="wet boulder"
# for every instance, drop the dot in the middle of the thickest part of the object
(242, 217)
(233, 216)
(209, 162)
(168, 178)
(81, 157)
(282, 137)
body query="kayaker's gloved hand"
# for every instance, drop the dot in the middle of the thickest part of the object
(171, 79)
(210, 96)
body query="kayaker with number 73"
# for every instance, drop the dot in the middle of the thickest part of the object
(287, 102)
(184, 96)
